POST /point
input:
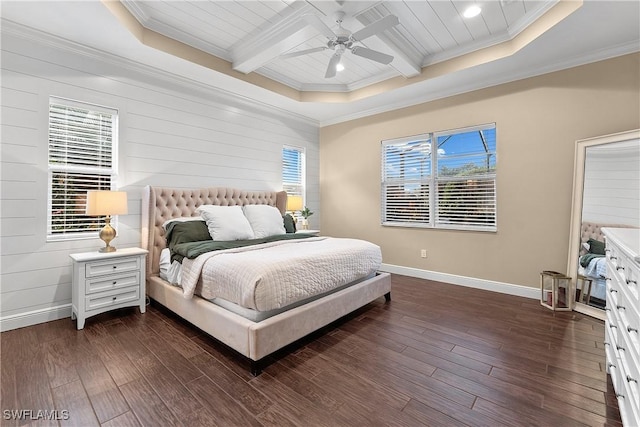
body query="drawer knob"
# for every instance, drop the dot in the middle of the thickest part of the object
(114, 282)
(619, 268)
(629, 379)
(631, 281)
(114, 298)
(630, 329)
(115, 266)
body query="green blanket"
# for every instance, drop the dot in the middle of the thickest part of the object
(586, 259)
(194, 249)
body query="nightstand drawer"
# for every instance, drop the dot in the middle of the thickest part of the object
(112, 282)
(120, 265)
(106, 299)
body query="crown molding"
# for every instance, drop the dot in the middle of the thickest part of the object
(495, 80)
(28, 33)
(506, 36)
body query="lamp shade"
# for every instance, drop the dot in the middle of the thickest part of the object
(106, 203)
(294, 203)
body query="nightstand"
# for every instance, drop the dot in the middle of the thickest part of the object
(106, 281)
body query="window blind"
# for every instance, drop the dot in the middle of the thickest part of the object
(406, 181)
(466, 179)
(441, 180)
(81, 158)
(293, 171)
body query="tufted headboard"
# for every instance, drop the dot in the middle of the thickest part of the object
(591, 230)
(160, 204)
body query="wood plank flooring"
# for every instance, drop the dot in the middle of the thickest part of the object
(436, 355)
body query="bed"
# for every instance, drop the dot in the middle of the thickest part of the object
(592, 266)
(254, 338)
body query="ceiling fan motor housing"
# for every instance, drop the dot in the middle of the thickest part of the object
(340, 41)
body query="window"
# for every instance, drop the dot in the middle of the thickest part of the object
(452, 186)
(82, 142)
(293, 171)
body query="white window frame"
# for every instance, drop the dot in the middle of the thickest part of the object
(432, 180)
(110, 173)
(295, 189)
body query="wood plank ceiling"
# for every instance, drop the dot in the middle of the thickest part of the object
(252, 34)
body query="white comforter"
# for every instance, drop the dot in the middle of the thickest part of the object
(274, 275)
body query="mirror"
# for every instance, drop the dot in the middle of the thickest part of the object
(606, 193)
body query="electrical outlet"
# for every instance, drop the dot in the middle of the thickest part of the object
(423, 253)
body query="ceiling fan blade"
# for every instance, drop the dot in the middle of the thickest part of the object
(317, 23)
(303, 52)
(331, 69)
(375, 27)
(373, 55)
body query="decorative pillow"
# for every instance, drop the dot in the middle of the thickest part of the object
(596, 247)
(186, 231)
(265, 220)
(289, 223)
(181, 219)
(226, 222)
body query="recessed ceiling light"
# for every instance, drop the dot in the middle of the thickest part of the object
(472, 11)
(339, 67)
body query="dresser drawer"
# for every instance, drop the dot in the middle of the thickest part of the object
(609, 349)
(109, 298)
(630, 277)
(121, 265)
(628, 382)
(116, 281)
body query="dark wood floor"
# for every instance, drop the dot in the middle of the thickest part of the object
(436, 355)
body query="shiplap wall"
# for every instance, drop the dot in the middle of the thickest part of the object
(612, 184)
(171, 133)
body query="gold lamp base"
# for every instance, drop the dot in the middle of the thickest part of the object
(107, 234)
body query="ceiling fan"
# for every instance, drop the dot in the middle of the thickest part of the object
(342, 40)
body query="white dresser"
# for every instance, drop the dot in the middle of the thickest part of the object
(622, 343)
(106, 281)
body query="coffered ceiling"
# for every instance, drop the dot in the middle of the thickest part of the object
(236, 46)
(252, 35)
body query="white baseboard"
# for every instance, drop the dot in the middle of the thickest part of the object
(34, 317)
(471, 282)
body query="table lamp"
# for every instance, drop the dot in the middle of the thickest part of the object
(107, 203)
(294, 203)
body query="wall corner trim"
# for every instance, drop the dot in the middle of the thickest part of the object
(471, 282)
(34, 317)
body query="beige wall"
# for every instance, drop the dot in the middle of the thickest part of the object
(538, 121)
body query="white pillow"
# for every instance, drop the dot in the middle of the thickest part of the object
(226, 222)
(265, 220)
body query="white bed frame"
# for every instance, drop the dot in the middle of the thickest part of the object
(254, 340)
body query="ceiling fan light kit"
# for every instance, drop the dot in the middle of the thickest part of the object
(342, 40)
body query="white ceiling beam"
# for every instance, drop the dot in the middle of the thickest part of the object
(406, 59)
(263, 47)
